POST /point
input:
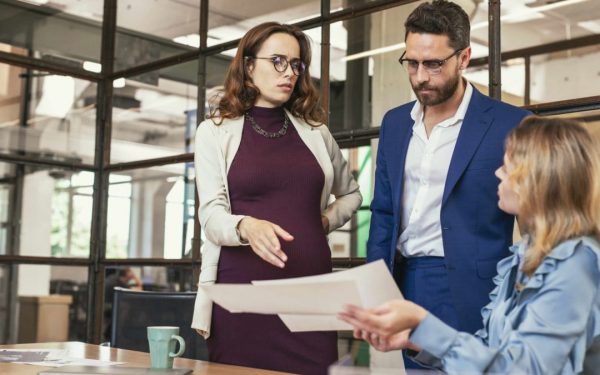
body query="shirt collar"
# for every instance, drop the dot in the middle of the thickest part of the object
(417, 110)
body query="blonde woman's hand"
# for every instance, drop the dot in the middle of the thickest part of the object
(385, 344)
(263, 237)
(385, 320)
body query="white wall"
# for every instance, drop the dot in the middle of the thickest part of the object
(34, 280)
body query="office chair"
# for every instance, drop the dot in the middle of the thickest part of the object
(133, 311)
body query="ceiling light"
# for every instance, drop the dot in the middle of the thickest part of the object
(528, 14)
(375, 51)
(119, 83)
(92, 66)
(192, 40)
(593, 26)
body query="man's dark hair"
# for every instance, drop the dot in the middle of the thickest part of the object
(441, 17)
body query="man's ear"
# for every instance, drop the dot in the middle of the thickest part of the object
(465, 58)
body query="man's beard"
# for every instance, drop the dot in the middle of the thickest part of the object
(438, 95)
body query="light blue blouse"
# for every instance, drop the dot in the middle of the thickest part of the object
(547, 328)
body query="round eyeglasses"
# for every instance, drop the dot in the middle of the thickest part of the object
(432, 67)
(280, 63)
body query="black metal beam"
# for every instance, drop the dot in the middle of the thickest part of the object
(149, 262)
(527, 83)
(495, 69)
(40, 161)
(563, 45)
(25, 259)
(589, 103)
(325, 56)
(181, 158)
(80, 262)
(47, 66)
(355, 138)
(101, 160)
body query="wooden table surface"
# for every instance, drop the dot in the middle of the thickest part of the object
(132, 359)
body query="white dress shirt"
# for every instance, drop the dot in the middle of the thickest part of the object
(425, 172)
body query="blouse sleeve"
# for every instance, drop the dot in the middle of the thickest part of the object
(554, 319)
(344, 188)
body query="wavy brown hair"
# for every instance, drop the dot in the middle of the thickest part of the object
(556, 174)
(240, 93)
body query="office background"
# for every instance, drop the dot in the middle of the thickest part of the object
(99, 101)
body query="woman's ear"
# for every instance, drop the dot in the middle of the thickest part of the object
(249, 67)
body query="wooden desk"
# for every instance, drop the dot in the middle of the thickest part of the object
(133, 359)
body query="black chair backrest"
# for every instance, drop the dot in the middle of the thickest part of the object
(133, 311)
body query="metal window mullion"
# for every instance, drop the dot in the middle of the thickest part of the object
(101, 160)
(325, 56)
(495, 83)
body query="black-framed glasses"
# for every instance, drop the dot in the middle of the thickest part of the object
(280, 63)
(431, 66)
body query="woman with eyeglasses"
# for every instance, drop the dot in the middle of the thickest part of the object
(544, 314)
(266, 167)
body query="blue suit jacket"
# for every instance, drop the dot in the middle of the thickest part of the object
(475, 232)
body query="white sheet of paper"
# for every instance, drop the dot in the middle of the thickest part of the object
(72, 361)
(60, 357)
(310, 303)
(328, 298)
(375, 286)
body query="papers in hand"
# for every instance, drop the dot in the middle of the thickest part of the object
(309, 303)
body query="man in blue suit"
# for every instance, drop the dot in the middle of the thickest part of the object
(435, 219)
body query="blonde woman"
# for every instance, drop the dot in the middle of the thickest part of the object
(544, 313)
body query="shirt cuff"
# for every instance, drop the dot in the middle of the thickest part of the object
(433, 336)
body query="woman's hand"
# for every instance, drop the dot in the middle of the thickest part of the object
(385, 344)
(386, 320)
(263, 238)
(325, 222)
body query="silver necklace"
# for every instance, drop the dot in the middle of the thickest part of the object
(281, 132)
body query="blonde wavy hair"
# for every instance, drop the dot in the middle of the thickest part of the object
(556, 174)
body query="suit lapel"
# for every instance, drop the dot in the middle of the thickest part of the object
(475, 124)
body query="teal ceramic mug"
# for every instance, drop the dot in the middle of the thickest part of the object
(162, 341)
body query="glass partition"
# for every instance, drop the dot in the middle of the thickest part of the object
(231, 19)
(66, 208)
(366, 79)
(61, 120)
(351, 239)
(151, 212)
(152, 30)
(43, 27)
(154, 115)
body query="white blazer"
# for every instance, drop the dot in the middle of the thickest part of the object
(216, 146)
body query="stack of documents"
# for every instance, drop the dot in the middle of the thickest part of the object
(310, 303)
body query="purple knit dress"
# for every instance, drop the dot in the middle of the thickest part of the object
(279, 180)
